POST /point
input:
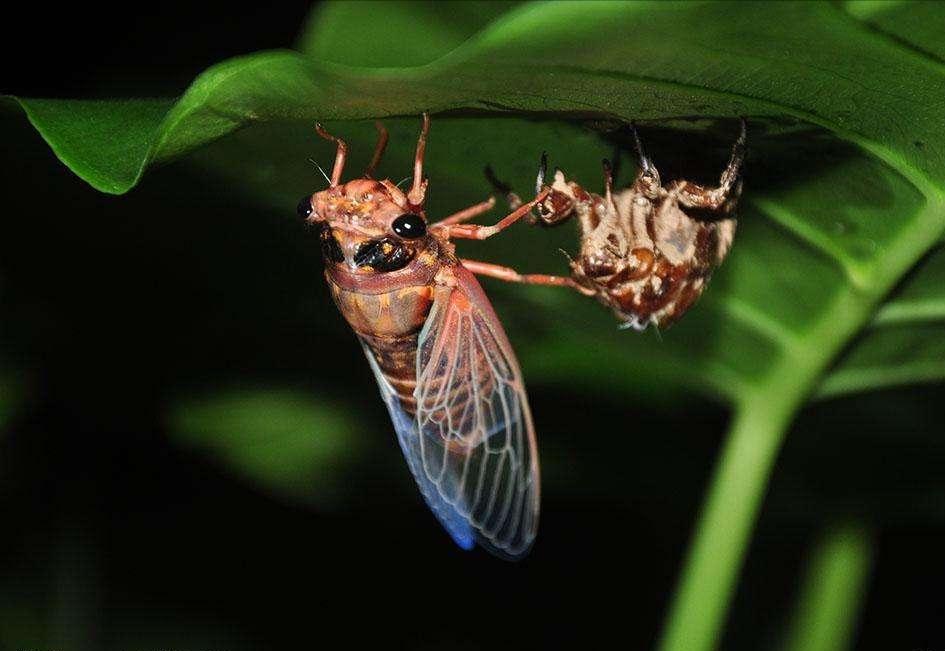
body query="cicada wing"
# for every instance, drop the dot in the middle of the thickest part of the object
(470, 443)
(458, 527)
(476, 439)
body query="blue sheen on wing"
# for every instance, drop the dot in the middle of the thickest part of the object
(457, 526)
(476, 438)
(470, 441)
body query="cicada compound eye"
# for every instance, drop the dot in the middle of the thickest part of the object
(409, 226)
(304, 209)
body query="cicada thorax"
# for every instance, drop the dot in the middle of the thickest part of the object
(388, 311)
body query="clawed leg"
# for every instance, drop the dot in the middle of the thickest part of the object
(722, 197)
(382, 137)
(454, 225)
(554, 203)
(502, 188)
(419, 188)
(608, 181)
(647, 168)
(510, 275)
(340, 154)
(648, 180)
(467, 213)
(477, 232)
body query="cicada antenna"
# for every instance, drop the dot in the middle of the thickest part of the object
(319, 168)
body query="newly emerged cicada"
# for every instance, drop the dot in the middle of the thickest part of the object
(441, 358)
(647, 251)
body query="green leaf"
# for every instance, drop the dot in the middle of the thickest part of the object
(845, 189)
(284, 441)
(904, 342)
(108, 143)
(378, 35)
(914, 24)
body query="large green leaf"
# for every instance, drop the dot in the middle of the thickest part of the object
(845, 190)
(284, 441)
(412, 33)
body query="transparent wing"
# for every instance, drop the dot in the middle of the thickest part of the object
(477, 440)
(471, 443)
(405, 426)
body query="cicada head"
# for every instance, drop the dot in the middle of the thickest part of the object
(369, 226)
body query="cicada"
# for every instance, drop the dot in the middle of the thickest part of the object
(444, 365)
(647, 251)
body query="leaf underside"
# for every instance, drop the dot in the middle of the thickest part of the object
(844, 179)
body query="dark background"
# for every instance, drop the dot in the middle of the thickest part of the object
(114, 536)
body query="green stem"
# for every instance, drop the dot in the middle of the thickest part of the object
(830, 599)
(715, 558)
(762, 418)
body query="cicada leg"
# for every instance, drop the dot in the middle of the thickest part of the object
(721, 198)
(608, 182)
(467, 213)
(554, 204)
(419, 188)
(340, 154)
(477, 232)
(382, 137)
(502, 188)
(510, 275)
(649, 177)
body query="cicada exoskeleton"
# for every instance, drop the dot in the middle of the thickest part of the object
(649, 250)
(445, 368)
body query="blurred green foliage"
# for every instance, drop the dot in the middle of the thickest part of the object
(286, 441)
(832, 594)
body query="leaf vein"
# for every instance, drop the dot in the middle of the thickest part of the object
(814, 238)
